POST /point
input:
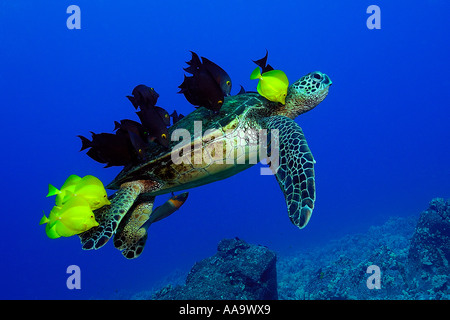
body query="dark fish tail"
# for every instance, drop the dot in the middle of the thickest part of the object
(85, 143)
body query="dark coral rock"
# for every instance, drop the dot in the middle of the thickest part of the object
(238, 271)
(429, 253)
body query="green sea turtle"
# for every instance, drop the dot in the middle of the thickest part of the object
(208, 143)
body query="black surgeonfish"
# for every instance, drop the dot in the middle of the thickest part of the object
(143, 96)
(155, 124)
(207, 86)
(263, 63)
(153, 118)
(112, 149)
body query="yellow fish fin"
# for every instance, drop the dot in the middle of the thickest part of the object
(51, 232)
(71, 180)
(52, 191)
(278, 74)
(64, 231)
(256, 74)
(260, 91)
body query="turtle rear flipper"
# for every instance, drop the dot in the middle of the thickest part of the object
(110, 216)
(130, 237)
(295, 173)
(132, 232)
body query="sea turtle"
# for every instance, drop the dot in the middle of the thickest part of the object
(214, 147)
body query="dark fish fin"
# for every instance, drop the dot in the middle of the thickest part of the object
(242, 91)
(133, 101)
(184, 85)
(194, 64)
(267, 68)
(116, 125)
(262, 63)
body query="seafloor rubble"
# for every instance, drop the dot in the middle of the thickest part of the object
(237, 271)
(412, 255)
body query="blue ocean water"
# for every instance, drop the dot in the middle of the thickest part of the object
(380, 138)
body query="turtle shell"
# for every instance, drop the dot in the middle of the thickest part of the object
(239, 111)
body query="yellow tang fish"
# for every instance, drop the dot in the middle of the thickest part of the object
(272, 84)
(74, 217)
(89, 187)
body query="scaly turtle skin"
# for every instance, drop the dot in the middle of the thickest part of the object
(208, 142)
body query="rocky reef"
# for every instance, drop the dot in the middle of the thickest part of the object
(429, 253)
(412, 256)
(238, 271)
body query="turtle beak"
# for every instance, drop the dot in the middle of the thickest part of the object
(327, 80)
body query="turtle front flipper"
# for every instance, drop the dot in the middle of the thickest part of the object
(110, 216)
(132, 232)
(295, 173)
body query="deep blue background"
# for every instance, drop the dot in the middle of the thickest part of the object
(380, 139)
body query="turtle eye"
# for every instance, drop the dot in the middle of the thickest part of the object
(317, 76)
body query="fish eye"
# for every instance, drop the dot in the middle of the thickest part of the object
(166, 115)
(163, 136)
(228, 83)
(220, 102)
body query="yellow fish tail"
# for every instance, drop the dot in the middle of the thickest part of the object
(43, 220)
(256, 74)
(52, 191)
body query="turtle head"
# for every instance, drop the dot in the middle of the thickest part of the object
(306, 93)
